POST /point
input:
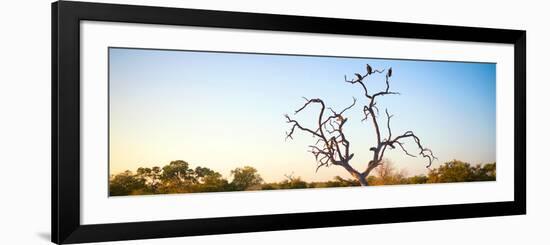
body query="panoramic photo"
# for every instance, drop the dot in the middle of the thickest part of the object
(206, 121)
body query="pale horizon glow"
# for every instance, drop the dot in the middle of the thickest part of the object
(225, 110)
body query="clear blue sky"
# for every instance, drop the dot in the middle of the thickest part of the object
(225, 110)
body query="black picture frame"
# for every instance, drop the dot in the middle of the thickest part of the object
(65, 167)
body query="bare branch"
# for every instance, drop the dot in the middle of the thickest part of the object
(309, 102)
(389, 128)
(404, 150)
(297, 125)
(332, 145)
(360, 82)
(424, 152)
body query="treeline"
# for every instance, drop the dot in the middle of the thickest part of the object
(453, 171)
(179, 177)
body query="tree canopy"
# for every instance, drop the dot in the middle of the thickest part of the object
(245, 178)
(458, 171)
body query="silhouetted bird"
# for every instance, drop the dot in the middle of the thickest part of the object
(369, 69)
(389, 72)
(358, 76)
(372, 149)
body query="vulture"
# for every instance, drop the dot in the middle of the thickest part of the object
(389, 72)
(369, 69)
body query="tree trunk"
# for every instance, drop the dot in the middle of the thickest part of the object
(360, 177)
(362, 180)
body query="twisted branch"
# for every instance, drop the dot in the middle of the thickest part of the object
(332, 146)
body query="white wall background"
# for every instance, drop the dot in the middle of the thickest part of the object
(25, 121)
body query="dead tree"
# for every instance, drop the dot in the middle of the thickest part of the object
(333, 148)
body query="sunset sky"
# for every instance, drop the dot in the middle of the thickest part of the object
(226, 110)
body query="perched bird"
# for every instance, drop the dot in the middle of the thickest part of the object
(372, 149)
(358, 76)
(369, 69)
(389, 72)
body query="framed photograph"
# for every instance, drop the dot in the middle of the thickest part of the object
(176, 122)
